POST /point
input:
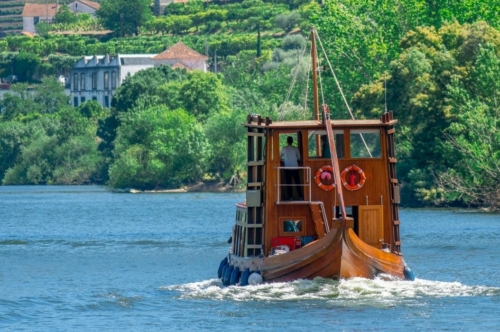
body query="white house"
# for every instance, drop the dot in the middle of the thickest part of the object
(33, 13)
(84, 6)
(181, 56)
(36, 12)
(98, 77)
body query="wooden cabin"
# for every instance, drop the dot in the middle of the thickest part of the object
(270, 217)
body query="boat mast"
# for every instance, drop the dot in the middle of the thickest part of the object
(329, 130)
(315, 77)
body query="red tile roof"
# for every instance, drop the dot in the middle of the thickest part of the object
(180, 51)
(39, 10)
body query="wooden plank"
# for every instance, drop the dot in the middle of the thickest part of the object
(396, 222)
(394, 180)
(337, 223)
(391, 131)
(317, 216)
(397, 243)
(254, 184)
(393, 160)
(371, 225)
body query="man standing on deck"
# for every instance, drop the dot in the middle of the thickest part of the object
(291, 155)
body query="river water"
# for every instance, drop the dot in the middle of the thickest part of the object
(85, 259)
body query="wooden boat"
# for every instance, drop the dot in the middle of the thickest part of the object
(345, 225)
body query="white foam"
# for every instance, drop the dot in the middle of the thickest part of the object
(325, 289)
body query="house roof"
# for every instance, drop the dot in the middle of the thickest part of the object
(39, 9)
(91, 4)
(180, 51)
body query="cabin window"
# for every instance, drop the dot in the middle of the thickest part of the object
(318, 144)
(292, 226)
(365, 143)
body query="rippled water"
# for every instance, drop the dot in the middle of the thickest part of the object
(82, 258)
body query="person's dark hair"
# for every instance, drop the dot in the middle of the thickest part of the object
(289, 140)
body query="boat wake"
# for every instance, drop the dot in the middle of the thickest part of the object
(357, 289)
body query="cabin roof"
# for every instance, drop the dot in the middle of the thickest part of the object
(314, 124)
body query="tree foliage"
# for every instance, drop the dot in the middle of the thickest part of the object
(158, 148)
(442, 81)
(124, 17)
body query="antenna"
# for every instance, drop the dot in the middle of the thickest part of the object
(385, 92)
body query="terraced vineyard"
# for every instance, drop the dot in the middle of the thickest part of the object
(11, 20)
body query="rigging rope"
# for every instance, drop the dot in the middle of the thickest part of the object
(294, 78)
(340, 89)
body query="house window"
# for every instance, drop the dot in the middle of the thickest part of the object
(75, 101)
(82, 100)
(106, 80)
(113, 80)
(106, 101)
(94, 98)
(94, 81)
(82, 81)
(75, 82)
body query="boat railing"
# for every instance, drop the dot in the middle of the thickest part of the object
(306, 185)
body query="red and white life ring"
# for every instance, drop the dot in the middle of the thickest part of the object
(352, 171)
(325, 173)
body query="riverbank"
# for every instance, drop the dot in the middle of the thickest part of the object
(212, 186)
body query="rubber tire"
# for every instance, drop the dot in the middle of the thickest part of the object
(227, 275)
(221, 266)
(409, 274)
(244, 277)
(235, 276)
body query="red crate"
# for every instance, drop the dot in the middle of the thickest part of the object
(293, 242)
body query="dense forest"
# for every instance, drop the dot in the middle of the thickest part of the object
(435, 63)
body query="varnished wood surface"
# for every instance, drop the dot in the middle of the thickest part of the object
(340, 254)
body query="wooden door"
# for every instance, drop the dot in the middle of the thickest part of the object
(371, 224)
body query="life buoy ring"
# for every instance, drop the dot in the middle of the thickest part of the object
(324, 173)
(350, 185)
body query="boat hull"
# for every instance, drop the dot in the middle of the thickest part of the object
(339, 254)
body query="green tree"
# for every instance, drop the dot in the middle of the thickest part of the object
(124, 17)
(203, 94)
(142, 90)
(65, 16)
(158, 148)
(433, 87)
(25, 65)
(475, 135)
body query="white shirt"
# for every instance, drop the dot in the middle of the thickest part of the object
(290, 155)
